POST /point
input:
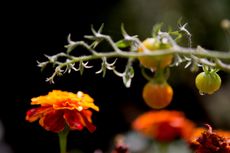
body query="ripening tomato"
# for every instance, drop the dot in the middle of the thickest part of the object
(155, 62)
(208, 82)
(157, 95)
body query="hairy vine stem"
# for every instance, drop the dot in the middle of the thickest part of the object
(181, 51)
(199, 55)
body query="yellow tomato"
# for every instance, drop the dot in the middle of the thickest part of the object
(155, 62)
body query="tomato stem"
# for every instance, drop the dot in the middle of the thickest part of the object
(145, 75)
(160, 76)
(206, 69)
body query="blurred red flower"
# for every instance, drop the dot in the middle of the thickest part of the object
(164, 125)
(60, 108)
(208, 141)
(198, 132)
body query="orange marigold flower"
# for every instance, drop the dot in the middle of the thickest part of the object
(164, 125)
(207, 141)
(61, 108)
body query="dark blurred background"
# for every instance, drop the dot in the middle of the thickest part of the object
(37, 28)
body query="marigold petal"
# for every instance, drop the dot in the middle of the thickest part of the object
(86, 115)
(91, 105)
(225, 134)
(173, 123)
(35, 113)
(53, 121)
(188, 131)
(87, 101)
(66, 100)
(52, 97)
(66, 105)
(74, 120)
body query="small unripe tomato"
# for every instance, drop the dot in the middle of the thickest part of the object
(157, 95)
(208, 82)
(155, 62)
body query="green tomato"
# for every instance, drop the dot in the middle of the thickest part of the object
(208, 82)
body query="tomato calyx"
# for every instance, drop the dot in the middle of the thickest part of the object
(209, 70)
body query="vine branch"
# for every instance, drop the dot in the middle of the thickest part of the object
(198, 55)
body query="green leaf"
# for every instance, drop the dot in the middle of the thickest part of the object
(123, 31)
(177, 34)
(123, 43)
(156, 29)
